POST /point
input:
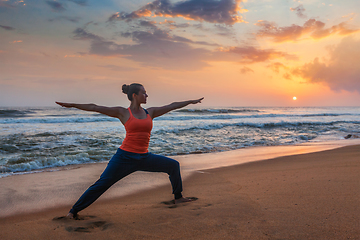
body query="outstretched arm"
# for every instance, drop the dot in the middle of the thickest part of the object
(116, 112)
(158, 111)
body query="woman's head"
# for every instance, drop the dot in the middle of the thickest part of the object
(131, 89)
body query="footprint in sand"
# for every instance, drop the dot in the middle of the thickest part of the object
(82, 224)
(203, 206)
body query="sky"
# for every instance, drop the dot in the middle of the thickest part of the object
(231, 52)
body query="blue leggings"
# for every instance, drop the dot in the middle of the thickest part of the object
(124, 163)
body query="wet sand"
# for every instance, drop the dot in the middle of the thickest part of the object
(303, 196)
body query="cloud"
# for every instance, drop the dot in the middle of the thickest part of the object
(287, 76)
(161, 35)
(80, 2)
(158, 48)
(341, 72)
(246, 70)
(70, 19)
(316, 30)
(150, 24)
(276, 66)
(173, 24)
(11, 4)
(213, 11)
(224, 31)
(56, 6)
(250, 54)
(7, 28)
(299, 11)
(82, 34)
(155, 48)
(217, 29)
(60, 7)
(118, 68)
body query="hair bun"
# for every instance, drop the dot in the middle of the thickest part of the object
(125, 88)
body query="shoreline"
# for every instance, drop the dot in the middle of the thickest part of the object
(29, 193)
(301, 196)
(307, 147)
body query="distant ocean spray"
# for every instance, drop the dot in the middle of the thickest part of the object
(32, 139)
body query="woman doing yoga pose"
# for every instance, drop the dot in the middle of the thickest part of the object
(133, 153)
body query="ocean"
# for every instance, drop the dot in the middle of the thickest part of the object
(36, 139)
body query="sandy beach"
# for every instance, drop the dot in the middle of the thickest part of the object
(301, 196)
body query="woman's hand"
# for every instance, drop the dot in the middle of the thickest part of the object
(67, 105)
(116, 112)
(197, 101)
(158, 111)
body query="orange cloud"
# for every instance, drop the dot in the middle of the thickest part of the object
(340, 72)
(246, 70)
(316, 30)
(167, 22)
(11, 4)
(287, 76)
(251, 54)
(276, 66)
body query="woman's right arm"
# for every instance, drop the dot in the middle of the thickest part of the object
(116, 112)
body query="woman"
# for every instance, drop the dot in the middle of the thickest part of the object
(133, 154)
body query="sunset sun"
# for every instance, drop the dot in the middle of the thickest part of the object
(294, 98)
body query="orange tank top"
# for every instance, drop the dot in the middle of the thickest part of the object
(137, 134)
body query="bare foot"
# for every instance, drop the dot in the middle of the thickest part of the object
(183, 200)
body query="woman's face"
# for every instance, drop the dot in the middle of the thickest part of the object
(141, 96)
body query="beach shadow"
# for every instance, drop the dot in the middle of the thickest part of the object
(89, 227)
(171, 204)
(78, 217)
(86, 224)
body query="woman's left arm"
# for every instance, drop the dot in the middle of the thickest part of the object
(158, 111)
